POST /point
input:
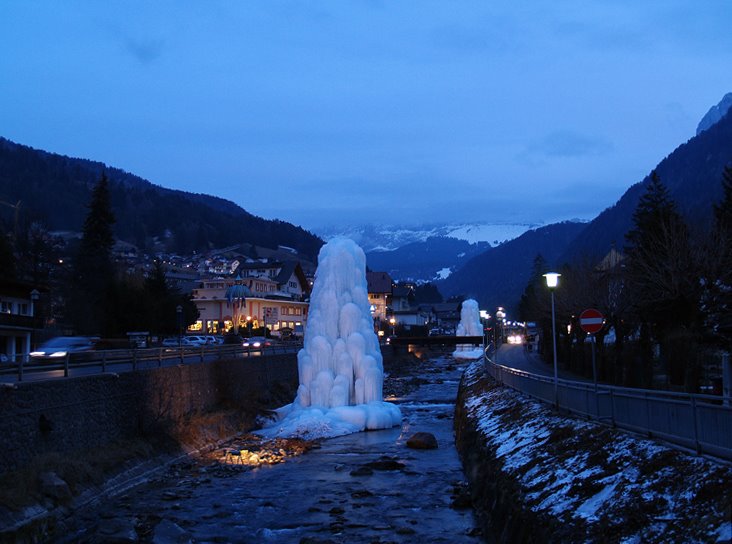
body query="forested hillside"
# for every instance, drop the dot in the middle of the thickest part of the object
(693, 176)
(54, 190)
(498, 276)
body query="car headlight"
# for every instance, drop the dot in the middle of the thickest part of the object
(58, 354)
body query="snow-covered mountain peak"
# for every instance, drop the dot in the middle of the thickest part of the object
(391, 237)
(715, 114)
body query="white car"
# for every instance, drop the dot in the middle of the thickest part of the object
(197, 340)
(59, 347)
(184, 341)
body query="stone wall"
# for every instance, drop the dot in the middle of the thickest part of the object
(73, 414)
(497, 498)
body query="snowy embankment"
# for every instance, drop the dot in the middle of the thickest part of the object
(539, 476)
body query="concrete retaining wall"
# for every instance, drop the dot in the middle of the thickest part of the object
(73, 414)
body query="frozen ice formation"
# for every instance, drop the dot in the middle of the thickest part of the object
(340, 367)
(469, 326)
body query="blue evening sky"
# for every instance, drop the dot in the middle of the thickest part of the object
(369, 111)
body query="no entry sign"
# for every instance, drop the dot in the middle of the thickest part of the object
(591, 321)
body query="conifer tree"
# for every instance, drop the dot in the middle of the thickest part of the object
(93, 270)
(661, 278)
(7, 258)
(723, 210)
(717, 280)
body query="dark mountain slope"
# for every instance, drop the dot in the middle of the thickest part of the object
(693, 176)
(55, 189)
(423, 260)
(499, 276)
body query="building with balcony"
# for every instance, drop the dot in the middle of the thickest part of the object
(272, 294)
(18, 321)
(380, 287)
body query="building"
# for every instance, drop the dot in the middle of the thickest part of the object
(271, 294)
(380, 291)
(18, 322)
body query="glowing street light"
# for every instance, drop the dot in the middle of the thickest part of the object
(393, 326)
(552, 280)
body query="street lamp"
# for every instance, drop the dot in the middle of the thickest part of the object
(552, 280)
(34, 296)
(498, 333)
(393, 326)
(179, 316)
(249, 325)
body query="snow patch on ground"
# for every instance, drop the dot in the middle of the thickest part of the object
(443, 273)
(643, 490)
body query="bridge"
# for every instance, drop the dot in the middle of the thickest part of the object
(126, 360)
(436, 340)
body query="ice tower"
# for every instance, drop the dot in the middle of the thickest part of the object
(340, 367)
(469, 326)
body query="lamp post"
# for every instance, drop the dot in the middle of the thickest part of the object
(249, 325)
(34, 296)
(179, 317)
(393, 326)
(500, 317)
(552, 280)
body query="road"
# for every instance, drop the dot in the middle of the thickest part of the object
(119, 361)
(516, 356)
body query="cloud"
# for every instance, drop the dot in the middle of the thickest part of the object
(566, 144)
(144, 50)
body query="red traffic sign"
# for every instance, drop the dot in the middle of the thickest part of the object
(591, 321)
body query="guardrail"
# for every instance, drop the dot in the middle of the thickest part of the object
(103, 360)
(702, 423)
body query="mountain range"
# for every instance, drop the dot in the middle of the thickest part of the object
(425, 253)
(693, 175)
(54, 190)
(488, 262)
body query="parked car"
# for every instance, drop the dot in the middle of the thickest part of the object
(59, 347)
(182, 341)
(198, 340)
(257, 342)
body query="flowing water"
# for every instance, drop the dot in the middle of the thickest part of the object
(363, 487)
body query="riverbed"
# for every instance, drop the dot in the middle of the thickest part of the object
(363, 487)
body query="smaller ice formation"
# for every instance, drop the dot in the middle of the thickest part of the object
(340, 367)
(469, 326)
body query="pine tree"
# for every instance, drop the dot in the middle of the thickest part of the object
(723, 210)
(7, 258)
(94, 270)
(717, 281)
(531, 308)
(660, 264)
(661, 278)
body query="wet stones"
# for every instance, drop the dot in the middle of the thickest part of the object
(54, 487)
(422, 441)
(117, 531)
(167, 532)
(362, 471)
(385, 463)
(461, 498)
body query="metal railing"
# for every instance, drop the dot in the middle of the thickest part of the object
(702, 423)
(105, 360)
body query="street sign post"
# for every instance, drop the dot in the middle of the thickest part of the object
(591, 321)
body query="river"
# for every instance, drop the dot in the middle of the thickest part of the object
(364, 487)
